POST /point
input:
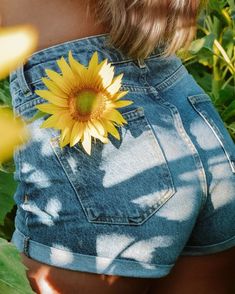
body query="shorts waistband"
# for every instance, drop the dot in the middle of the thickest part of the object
(82, 46)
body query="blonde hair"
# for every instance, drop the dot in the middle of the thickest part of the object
(137, 27)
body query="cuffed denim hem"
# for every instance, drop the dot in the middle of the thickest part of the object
(209, 249)
(86, 263)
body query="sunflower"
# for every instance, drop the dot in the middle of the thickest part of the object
(16, 44)
(83, 101)
(13, 132)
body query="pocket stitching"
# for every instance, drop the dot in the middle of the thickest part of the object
(143, 214)
(194, 99)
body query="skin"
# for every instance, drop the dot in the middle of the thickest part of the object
(74, 23)
(212, 274)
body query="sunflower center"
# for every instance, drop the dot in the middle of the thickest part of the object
(88, 104)
(86, 101)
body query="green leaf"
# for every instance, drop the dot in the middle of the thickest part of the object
(7, 189)
(203, 78)
(37, 115)
(206, 42)
(226, 96)
(8, 166)
(7, 229)
(13, 279)
(217, 5)
(229, 112)
(5, 96)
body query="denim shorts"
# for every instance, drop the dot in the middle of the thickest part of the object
(132, 207)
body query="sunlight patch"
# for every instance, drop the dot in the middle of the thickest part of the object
(26, 168)
(41, 136)
(180, 208)
(36, 176)
(143, 251)
(110, 246)
(53, 207)
(188, 176)
(73, 163)
(61, 255)
(46, 149)
(43, 217)
(204, 135)
(222, 193)
(134, 166)
(148, 200)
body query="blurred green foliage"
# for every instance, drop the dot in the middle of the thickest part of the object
(12, 272)
(211, 58)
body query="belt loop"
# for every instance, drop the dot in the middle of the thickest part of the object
(26, 246)
(22, 81)
(141, 63)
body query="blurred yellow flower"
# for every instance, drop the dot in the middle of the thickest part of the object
(16, 44)
(83, 101)
(13, 132)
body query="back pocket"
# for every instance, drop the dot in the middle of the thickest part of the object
(204, 106)
(121, 182)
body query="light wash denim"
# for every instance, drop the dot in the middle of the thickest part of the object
(166, 189)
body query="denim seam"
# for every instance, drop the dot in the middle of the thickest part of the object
(88, 256)
(27, 105)
(209, 249)
(172, 79)
(212, 245)
(194, 152)
(80, 39)
(212, 125)
(53, 142)
(23, 85)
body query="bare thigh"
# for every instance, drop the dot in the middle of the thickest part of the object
(208, 274)
(47, 279)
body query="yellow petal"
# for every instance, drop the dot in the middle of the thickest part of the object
(52, 98)
(58, 121)
(65, 137)
(122, 103)
(65, 120)
(51, 121)
(99, 126)
(58, 80)
(54, 88)
(77, 67)
(66, 71)
(93, 78)
(76, 133)
(49, 108)
(114, 115)
(104, 140)
(115, 86)
(106, 73)
(93, 62)
(111, 129)
(86, 142)
(16, 44)
(94, 132)
(92, 129)
(93, 69)
(119, 95)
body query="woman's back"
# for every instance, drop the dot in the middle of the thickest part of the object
(57, 20)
